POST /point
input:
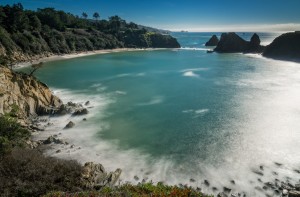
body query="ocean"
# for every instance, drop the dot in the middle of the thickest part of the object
(182, 116)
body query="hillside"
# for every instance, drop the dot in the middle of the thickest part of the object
(26, 34)
(285, 47)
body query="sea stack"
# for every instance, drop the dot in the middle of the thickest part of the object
(213, 41)
(285, 47)
(231, 43)
(254, 45)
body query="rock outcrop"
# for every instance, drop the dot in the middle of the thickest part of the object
(232, 43)
(70, 125)
(285, 47)
(254, 45)
(213, 41)
(94, 176)
(30, 96)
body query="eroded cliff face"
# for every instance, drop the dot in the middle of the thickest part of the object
(29, 95)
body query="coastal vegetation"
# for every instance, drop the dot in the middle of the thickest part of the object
(25, 34)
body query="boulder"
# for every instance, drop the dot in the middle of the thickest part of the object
(68, 108)
(222, 194)
(69, 125)
(94, 176)
(54, 140)
(226, 189)
(213, 41)
(206, 182)
(79, 112)
(285, 47)
(297, 186)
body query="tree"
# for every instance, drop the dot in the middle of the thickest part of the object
(96, 15)
(35, 22)
(84, 15)
(35, 67)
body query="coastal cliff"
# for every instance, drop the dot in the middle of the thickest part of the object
(285, 47)
(31, 97)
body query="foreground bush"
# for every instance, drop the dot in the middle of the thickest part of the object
(146, 189)
(11, 133)
(26, 172)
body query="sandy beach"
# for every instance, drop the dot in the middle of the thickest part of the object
(80, 54)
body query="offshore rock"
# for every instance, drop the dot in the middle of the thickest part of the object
(213, 41)
(254, 45)
(232, 43)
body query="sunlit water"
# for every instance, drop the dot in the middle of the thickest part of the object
(176, 115)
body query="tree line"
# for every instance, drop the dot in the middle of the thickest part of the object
(26, 33)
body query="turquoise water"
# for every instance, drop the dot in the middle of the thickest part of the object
(172, 115)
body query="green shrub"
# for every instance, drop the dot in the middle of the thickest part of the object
(26, 172)
(11, 133)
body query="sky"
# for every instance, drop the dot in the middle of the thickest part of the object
(189, 15)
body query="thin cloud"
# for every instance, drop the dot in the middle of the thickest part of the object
(243, 28)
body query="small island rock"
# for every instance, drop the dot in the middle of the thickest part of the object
(232, 43)
(213, 41)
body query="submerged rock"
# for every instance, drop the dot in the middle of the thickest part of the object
(70, 125)
(213, 41)
(226, 189)
(222, 194)
(54, 140)
(80, 112)
(258, 172)
(206, 182)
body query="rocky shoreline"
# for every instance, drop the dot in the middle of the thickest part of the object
(33, 101)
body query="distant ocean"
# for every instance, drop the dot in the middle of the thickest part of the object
(181, 114)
